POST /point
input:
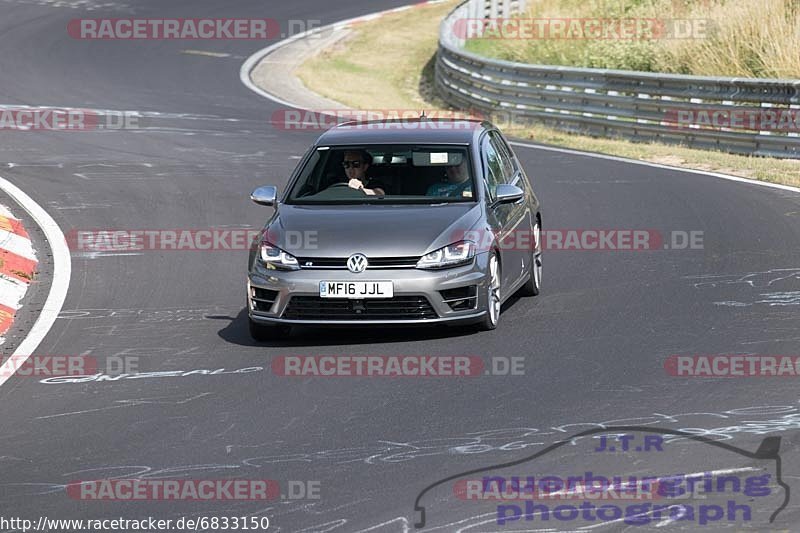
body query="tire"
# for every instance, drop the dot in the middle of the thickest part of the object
(492, 317)
(534, 284)
(264, 332)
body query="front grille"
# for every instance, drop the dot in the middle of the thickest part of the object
(341, 262)
(397, 308)
(322, 262)
(393, 262)
(461, 298)
(263, 299)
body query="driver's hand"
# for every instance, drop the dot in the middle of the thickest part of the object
(355, 184)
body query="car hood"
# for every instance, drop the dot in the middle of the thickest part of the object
(373, 230)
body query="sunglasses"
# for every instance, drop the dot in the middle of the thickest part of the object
(354, 164)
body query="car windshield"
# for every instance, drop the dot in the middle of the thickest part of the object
(385, 174)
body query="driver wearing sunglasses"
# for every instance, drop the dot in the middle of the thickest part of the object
(355, 165)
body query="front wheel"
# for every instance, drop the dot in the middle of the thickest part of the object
(492, 317)
(534, 284)
(264, 332)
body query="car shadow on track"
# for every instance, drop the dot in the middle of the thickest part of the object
(236, 332)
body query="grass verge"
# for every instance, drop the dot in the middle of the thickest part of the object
(742, 38)
(387, 63)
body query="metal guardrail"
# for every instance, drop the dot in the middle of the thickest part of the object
(640, 106)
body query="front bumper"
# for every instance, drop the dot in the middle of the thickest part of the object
(409, 284)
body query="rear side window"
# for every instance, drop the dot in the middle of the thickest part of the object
(509, 170)
(493, 168)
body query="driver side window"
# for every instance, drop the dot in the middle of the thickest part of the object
(310, 176)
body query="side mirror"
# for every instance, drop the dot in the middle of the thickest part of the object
(267, 195)
(508, 194)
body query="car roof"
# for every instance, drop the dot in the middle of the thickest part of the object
(402, 131)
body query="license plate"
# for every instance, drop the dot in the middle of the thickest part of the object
(356, 289)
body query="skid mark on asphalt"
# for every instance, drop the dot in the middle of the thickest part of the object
(753, 279)
(785, 278)
(96, 255)
(172, 314)
(768, 298)
(163, 400)
(116, 112)
(207, 53)
(755, 420)
(208, 151)
(102, 378)
(141, 324)
(86, 5)
(131, 121)
(142, 171)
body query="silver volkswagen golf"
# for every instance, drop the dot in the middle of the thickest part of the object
(396, 222)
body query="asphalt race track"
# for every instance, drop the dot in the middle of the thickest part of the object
(594, 342)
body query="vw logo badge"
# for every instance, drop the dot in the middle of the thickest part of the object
(357, 263)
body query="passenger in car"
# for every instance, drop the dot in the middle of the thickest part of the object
(456, 184)
(355, 165)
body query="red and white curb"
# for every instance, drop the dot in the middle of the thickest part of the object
(17, 267)
(59, 284)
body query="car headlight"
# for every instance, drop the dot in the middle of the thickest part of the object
(275, 258)
(460, 253)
